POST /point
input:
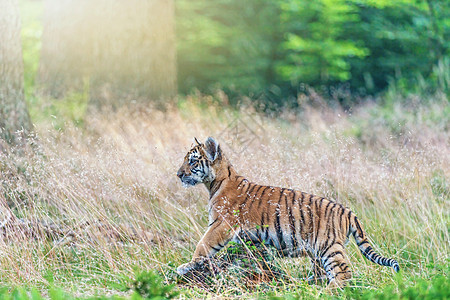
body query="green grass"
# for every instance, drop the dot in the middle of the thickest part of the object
(435, 287)
(146, 285)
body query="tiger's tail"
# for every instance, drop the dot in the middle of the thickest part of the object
(365, 247)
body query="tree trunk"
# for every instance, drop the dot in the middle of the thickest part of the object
(14, 118)
(124, 49)
(65, 50)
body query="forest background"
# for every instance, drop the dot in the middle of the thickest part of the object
(100, 100)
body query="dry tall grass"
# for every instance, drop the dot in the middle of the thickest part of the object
(111, 191)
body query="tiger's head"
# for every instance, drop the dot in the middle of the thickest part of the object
(200, 163)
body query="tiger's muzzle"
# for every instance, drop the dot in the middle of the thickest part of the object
(186, 179)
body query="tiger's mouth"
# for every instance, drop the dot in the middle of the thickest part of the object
(188, 181)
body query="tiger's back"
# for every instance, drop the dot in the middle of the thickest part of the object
(287, 219)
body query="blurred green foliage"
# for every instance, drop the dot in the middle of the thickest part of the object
(273, 50)
(146, 285)
(267, 49)
(223, 43)
(316, 48)
(436, 287)
(150, 285)
(31, 12)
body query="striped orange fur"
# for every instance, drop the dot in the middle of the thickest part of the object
(292, 221)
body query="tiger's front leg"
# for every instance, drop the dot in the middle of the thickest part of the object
(216, 237)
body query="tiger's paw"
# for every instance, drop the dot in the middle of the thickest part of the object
(185, 268)
(334, 284)
(316, 279)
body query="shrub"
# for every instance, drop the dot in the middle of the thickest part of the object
(151, 286)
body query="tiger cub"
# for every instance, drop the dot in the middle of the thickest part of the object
(292, 221)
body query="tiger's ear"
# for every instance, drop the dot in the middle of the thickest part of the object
(212, 149)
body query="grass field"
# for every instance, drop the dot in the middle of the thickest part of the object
(101, 199)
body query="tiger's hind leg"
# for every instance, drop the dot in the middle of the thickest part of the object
(336, 266)
(318, 272)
